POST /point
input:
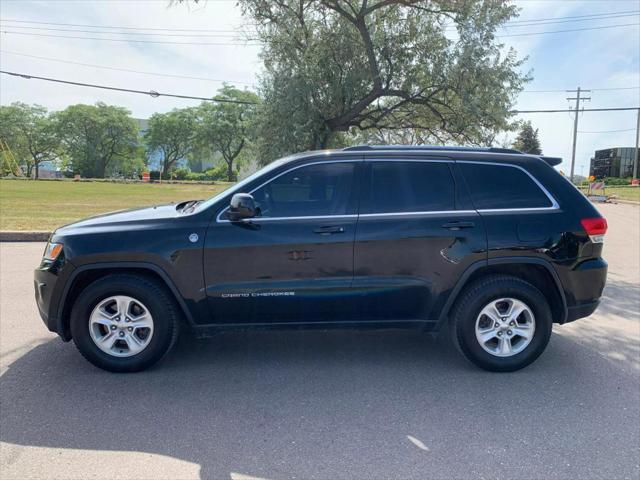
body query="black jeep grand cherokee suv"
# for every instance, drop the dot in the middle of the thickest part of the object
(494, 243)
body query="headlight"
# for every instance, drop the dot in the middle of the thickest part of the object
(52, 251)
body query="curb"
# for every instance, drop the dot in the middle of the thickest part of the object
(10, 236)
(626, 202)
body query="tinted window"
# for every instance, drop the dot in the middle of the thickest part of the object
(321, 189)
(411, 187)
(494, 186)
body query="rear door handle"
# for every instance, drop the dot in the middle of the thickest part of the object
(329, 230)
(458, 225)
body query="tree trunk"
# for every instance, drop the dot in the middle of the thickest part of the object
(230, 170)
(323, 138)
(36, 166)
(166, 166)
(101, 168)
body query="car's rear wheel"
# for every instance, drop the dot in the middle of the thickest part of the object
(124, 323)
(501, 323)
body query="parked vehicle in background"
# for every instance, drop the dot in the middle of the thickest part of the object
(491, 243)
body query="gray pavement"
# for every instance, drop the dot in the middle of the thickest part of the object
(326, 405)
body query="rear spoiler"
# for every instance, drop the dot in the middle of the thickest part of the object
(553, 161)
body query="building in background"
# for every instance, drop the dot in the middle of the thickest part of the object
(154, 158)
(613, 162)
(49, 169)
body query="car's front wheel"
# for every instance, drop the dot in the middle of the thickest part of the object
(124, 323)
(501, 323)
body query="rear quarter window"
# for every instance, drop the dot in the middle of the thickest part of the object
(502, 187)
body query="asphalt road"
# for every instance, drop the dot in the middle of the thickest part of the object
(327, 405)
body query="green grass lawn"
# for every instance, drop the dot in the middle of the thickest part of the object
(623, 193)
(46, 205)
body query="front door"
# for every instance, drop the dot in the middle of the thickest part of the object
(416, 234)
(293, 262)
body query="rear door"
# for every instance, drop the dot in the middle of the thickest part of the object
(417, 232)
(294, 262)
(521, 216)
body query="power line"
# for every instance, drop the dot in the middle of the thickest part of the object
(118, 27)
(151, 93)
(564, 90)
(576, 18)
(190, 77)
(243, 44)
(610, 131)
(234, 34)
(571, 110)
(246, 44)
(525, 23)
(117, 69)
(550, 32)
(220, 35)
(155, 94)
(569, 30)
(608, 89)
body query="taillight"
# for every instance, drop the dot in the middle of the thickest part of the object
(595, 228)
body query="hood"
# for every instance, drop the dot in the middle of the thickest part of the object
(122, 220)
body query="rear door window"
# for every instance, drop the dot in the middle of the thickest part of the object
(502, 187)
(399, 187)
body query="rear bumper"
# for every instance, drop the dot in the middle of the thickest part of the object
(583, 287)
(581, 311)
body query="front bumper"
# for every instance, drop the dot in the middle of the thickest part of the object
(48, 283)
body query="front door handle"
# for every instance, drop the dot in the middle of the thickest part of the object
(458, 225)
(329, 230)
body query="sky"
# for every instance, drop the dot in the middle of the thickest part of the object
(600, 60)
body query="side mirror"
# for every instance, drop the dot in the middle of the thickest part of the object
(241, 206)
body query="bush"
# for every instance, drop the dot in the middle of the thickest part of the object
(179, 174)
(154, 175)
(197, 177)
(214, 174)
(612, 181)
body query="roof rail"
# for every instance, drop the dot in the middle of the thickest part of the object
(429, 148)
(553, 161)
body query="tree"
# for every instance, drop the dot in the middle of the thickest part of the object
(336, 66)
(96, 137)
(225, 126)
(527, 140)
(172, 133)
(28, 130)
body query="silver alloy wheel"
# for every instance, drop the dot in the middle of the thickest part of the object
(121, 326)
(505, 327)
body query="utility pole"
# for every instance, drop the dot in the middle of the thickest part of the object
(577, 98)
(635, 156)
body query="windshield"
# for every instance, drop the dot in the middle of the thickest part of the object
(241, 184)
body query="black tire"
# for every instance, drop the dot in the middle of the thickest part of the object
(480, 293)
(154, 295)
